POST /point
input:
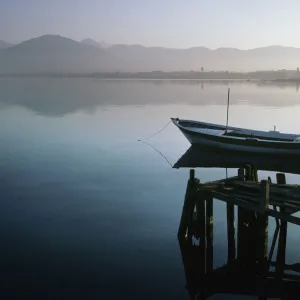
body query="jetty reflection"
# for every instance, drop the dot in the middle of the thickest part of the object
(248, 270)
(251, 269)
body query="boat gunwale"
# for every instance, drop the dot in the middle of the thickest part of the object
(241, 141)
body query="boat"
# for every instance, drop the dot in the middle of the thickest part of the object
(238, 139)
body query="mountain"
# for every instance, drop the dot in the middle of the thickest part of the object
(53, 53)
(143, 58)
(91, 42)
(4, 45)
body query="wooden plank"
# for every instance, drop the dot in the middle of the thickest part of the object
(245, 251)
(201, 224)
(222, 181)
(248, 170)
(188, 207)
(255, 185)
(280, 177)
(284, 216)
(251, 206)
(235, 201)
(281, 196)
(265, 195)
(241, 174)
(273, 201)
(261, 236)
(230, 233)
(209, 234)
(280, 260)
(255, 174)
(183, 220)
(279, 191)
(273, 243)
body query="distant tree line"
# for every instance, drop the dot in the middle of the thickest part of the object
(284, 75)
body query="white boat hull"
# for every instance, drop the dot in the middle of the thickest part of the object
(197, 136)
(220, 145)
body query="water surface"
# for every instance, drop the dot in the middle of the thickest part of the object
(86, 210)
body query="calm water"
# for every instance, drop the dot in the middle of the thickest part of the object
(86, 210)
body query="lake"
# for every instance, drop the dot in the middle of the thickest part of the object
(86, 210)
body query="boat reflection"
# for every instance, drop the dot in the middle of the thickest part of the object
(204, 157)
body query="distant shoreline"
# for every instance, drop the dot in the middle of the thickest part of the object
(272, 76)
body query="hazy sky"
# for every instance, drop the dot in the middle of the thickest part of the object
(172, 23)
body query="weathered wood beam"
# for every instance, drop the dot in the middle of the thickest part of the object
(242, 203)
(209, 234)
(230, 232)
(188, 206)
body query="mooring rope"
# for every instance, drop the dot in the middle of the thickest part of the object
(157, 151)
(153, 135)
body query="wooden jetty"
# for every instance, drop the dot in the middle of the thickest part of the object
(248, 270)
(245, 191)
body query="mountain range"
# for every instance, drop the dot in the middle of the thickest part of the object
(54, 53)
